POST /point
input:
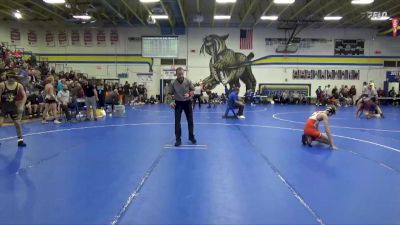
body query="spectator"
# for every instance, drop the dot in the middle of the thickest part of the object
(91, 99)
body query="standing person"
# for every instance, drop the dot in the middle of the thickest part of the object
(12, 101)
(311, 130)
(91, 99)
(198, 89)
(318, 93)
(183, 90)
(50, 100)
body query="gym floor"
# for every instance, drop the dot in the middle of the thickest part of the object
(252, 171)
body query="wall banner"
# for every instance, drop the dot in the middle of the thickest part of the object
(101, 38)
(49, 39)
(32, 38)
(15, 36)
(62, 39)
(326, 74)
(75, 38)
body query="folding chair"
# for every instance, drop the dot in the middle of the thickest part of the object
(229, 107)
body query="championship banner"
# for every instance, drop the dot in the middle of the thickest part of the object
(62, 39)
(114, 37)
(87, 38)
(101, 38)
(32, 38)
(15, 36)
(75, 38)
(326, 74)
(395, 23)
(49, 38)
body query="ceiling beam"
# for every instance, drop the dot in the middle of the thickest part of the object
(332, 13)
(230, 13)
(133, 12)
(5, 12)
(149, 13)
(171, 18)
(108, 18)
(47, 10)
(16, 3)
(356, 16)
(320, 9)
(214, 10)
(198, 10)
(302, 9)
(279, 14)
(247, 11)
(116, 12)
(269, 5)
(182, 9)
(363, 20)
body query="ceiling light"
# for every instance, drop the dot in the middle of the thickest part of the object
(284, 1)
(380, 18)
(269, 17)
(82, 17)
(222, 17)
(332, 18)
(149, 1)
(17, 14)
(159, 17)
(361, 2)
(225, 1)
(54, 1)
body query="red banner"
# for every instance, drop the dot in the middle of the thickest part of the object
(101, 38)
(114, 37)
(87, 38)
(395, 24)
(15, 36)
(62, 39)
(75, 38)
(32, 38)
(50, 42)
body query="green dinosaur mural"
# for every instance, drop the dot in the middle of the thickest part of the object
(226, 66)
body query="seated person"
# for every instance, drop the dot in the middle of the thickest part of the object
(64, 100)
(112, 98)
(233, 100)
(212, 98)
(152, 100)
(32, 104)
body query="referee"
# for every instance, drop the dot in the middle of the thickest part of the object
(183, 91)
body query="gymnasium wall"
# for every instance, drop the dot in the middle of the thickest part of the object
(268, 67)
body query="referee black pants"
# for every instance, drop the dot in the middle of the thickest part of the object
(187, 107)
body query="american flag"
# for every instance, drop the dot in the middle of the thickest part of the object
(246, 39)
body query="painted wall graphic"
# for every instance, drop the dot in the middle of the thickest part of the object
(226, 66)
